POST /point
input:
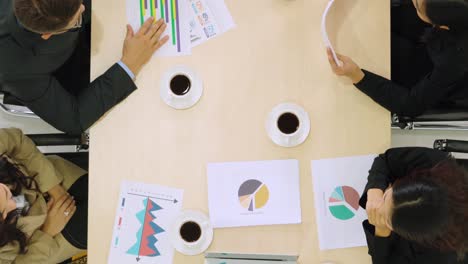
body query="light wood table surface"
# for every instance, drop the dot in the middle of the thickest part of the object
(274, 55)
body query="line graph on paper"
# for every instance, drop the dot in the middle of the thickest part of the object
(146, 235)
(144, 216)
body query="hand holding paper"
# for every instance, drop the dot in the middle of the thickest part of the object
(349, 68)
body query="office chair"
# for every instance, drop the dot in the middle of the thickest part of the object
(455, 118)
(450, 117)
(449, 145)
(11, 106)
(81, 143)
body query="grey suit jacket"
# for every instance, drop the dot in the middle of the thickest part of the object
(28, 71)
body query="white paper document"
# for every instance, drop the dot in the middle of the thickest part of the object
(338, 184)
(189, 22)
(176, 15)
(325, 37)
(145, 214)
(209, 18)
(254, 193)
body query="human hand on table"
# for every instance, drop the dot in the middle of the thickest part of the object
(374, 209)
(59, 212)
(140, 47)
(348, 68)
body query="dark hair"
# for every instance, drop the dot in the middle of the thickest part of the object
(451, 13)
(46, 16)
(11, 176)
(431, 207)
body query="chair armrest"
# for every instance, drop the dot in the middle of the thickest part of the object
(434, 115)
(449, 145)
(15, 110)
(57, 140)
(435, 119)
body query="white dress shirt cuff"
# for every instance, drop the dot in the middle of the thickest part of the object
(127, 70)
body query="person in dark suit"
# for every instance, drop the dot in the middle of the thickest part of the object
(429, 59)
(39, 37)
(417, 205)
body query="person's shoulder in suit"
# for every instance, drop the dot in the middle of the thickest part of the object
(6, 10)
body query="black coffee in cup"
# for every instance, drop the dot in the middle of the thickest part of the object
(190, 232)
(180, 84)
(288, 123)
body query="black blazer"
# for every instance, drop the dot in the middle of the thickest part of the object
(445, 84)
(393, 164)
(28, 69)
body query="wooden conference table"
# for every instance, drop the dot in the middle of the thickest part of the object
(274, 55)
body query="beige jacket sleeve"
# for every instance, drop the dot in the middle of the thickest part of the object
(40, 249)
(21, 149)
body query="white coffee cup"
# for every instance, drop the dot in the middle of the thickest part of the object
(288, 125)
(192, 233)
(181, 87)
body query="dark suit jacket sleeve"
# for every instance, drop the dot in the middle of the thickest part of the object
(381, 248)
(72, 114)
(409, 101)
(396, 163)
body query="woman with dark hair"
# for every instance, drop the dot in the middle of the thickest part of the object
(40, 221)
(429, 59)
(417, 205)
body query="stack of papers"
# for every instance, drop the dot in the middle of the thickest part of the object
(189, 22)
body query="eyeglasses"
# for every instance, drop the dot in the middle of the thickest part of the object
(79, 22)
(77, 26)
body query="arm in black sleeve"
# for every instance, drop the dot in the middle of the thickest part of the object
(450, 62)
(408, 101)
(45, 96)
(381, 249)
(399, 162)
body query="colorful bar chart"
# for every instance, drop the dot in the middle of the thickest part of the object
(168, 10)
(189, 22)
(177, 27)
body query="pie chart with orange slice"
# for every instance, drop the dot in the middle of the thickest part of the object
(253, 195)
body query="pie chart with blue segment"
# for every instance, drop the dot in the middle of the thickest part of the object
(344, 202)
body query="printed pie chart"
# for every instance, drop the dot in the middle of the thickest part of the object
(344, 202)
(253, 195)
